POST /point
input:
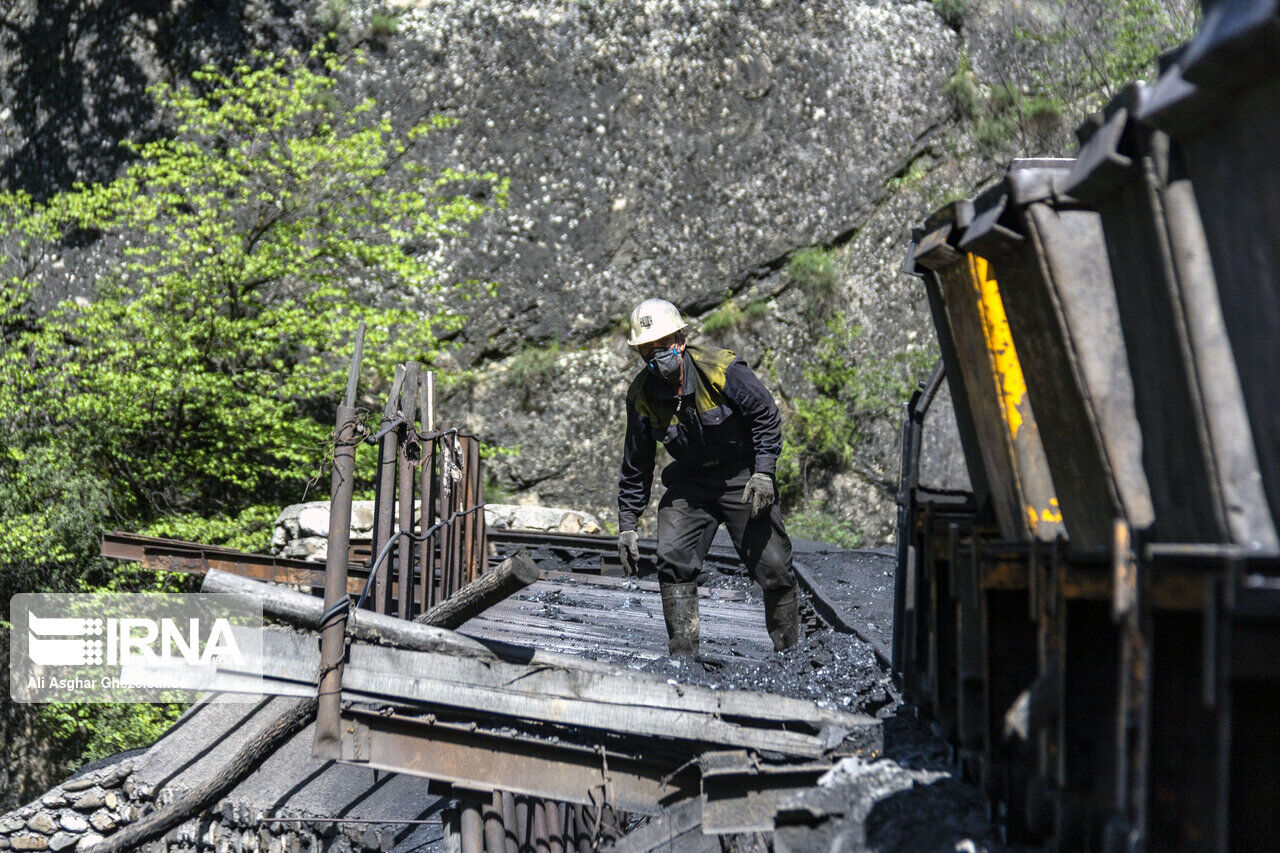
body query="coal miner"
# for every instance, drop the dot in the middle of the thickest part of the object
(721, 426)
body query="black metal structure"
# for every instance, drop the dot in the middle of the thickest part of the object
(1112, 677)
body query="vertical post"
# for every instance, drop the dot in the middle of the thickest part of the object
(467, 567)
(333, 628)
(448, 503)
(524, 818)
(510, 828)
(472, 827)
(495, 837)
(404, 491)
(384, 498)
(427, 554)
(482, 537)
(452, 819)
(425, 487)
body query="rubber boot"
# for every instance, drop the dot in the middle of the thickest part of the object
(782, 618)
(680, 609)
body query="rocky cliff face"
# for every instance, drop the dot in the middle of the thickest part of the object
(690, 149)
(678, 149)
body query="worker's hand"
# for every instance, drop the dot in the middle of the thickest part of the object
(629, 552)
(759, 493)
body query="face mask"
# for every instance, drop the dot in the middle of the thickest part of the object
(666, 363)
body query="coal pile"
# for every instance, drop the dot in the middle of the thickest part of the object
(835, 670)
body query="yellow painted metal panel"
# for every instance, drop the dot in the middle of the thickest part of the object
(1040, 504)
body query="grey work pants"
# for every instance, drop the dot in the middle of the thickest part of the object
(690, 512)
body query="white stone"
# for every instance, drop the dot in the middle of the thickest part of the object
(314, 521)
(313, 549)
(62, 841)
(73, 822)
(362, 515)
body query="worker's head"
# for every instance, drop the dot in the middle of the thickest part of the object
(653, 320)
(656, 330)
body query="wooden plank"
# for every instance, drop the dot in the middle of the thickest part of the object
(508, 577)
(598, 605)
(632, 688)
(286, 654)
(611, 598)
(575, 578)
(639, 719)
(299, 609)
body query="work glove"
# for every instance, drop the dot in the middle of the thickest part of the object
(629, 552)
(759, 493)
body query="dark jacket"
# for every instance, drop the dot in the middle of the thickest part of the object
(722, 422)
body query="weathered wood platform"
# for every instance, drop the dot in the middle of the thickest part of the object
(619, 621)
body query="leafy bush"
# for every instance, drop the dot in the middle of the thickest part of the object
(911, 177)
(1061, 64)
(383, 24)
(951, 11)
(813, 270)
(193, 394)
(201, 376)
(726, 316)
(531, 371)
(824, 527)
(852, 391)
(962, 87)
(97, 731)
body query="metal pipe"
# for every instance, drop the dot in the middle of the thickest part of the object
(353, 369)
(471, 827)
(435, 821)
(523, 819)
(555, 825)
(495, 837)
(509, 827)
(448, 496)
(327, 743)
(452, 829)
(426, 489)
(541, 836)
(404, 494)
(457, 529)
(384, 490)
(581, 829)
(467, 565)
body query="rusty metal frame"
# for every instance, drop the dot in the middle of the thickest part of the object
(470, 757)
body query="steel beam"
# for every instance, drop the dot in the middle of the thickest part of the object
(468, 757)
(173, 555)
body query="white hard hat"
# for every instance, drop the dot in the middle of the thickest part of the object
(652, 320)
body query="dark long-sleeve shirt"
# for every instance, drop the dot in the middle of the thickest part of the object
(723, 421)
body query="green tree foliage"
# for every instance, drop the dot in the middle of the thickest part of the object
(1059, 61)
(813, 270)
(854, 386)
(198, 382)
(193, 394)
(857, 390)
